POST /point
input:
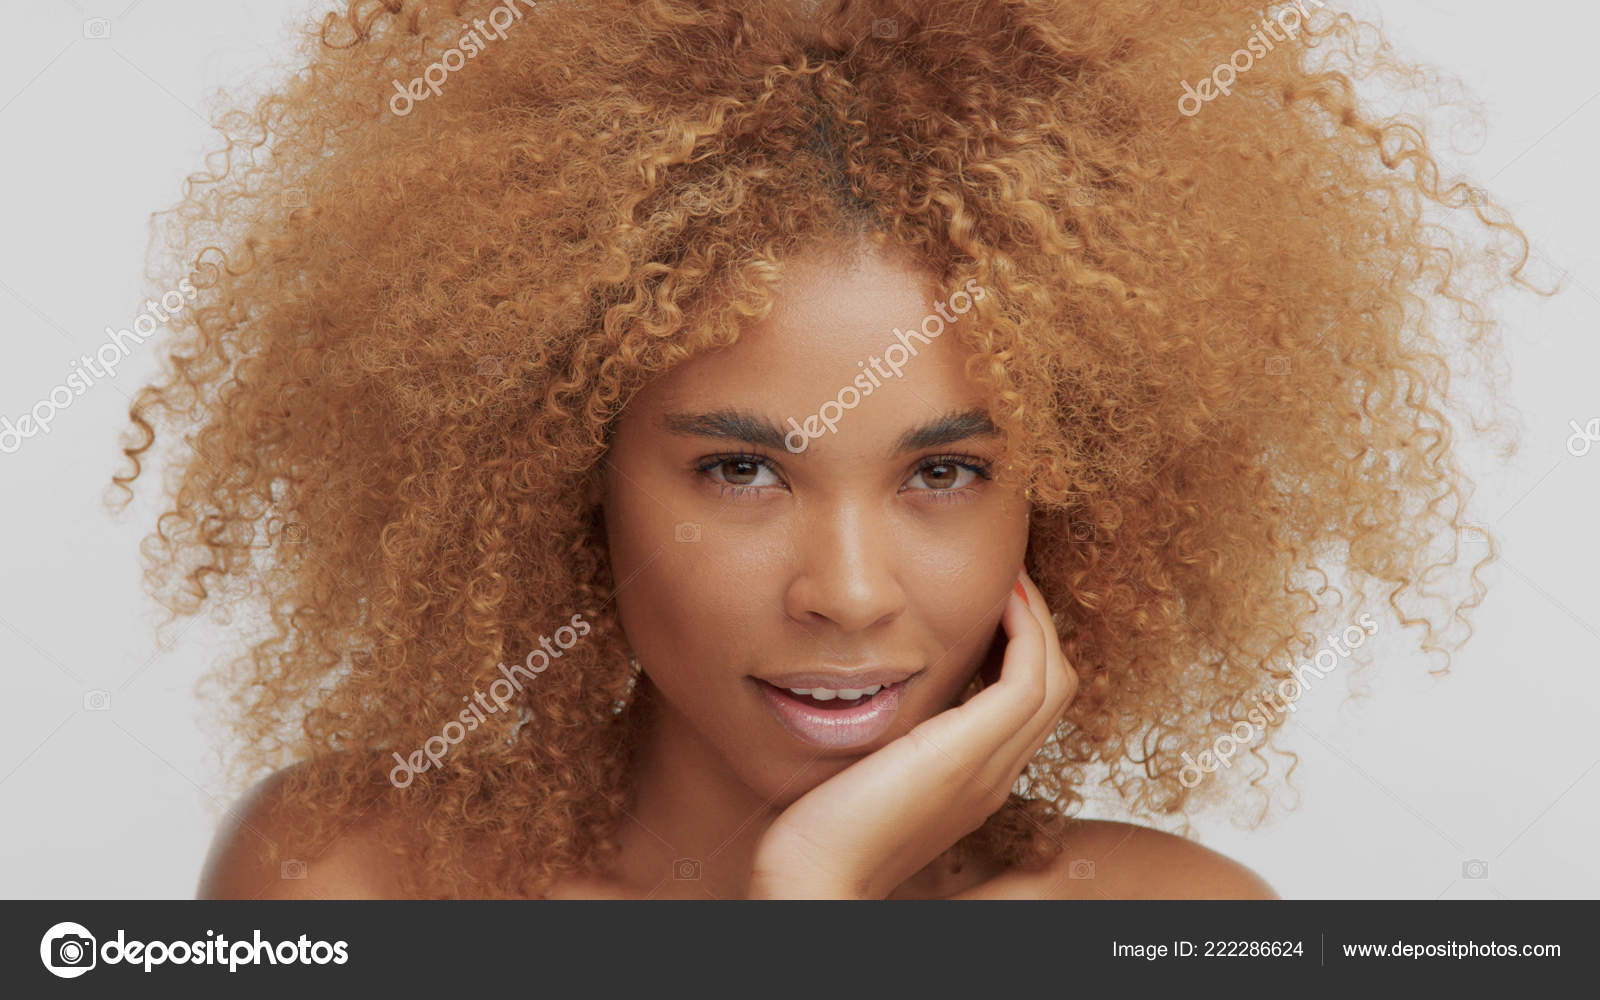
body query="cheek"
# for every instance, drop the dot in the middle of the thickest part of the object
(695, 596)
(962, 582)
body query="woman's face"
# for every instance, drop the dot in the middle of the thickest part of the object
(881, 546)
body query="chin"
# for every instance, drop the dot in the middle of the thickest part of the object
(783, 786)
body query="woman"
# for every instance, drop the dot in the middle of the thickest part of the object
(706, 450)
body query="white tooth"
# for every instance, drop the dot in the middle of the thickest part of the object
(800, 691)
(823, 694)
(850, 694)
(874, 689)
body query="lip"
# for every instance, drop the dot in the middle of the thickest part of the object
(833, 728)
(836, 680)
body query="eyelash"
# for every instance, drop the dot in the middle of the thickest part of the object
(976, 465)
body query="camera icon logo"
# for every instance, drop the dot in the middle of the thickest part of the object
(686, 868)
(1278, 365)
(687, 532)
(97, 27)
(1583, 438)
(1081, 868)
(1474, 868)
(68, 950)
(885, 27)
(1082, 531)
(97, 700)
(292, 869)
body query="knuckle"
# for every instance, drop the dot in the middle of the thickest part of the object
(1069, 680)
(1069, 691)
(995, 794)
(1038, 696)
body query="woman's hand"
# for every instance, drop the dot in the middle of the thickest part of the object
(863, 832)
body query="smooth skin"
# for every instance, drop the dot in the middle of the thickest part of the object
(884, 543)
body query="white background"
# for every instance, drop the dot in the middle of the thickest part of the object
(1396, 789)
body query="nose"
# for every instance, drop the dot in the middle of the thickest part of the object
(845, 560)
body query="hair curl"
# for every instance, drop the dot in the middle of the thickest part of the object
(1212, 346)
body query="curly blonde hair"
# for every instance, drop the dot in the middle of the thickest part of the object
(1211, 346)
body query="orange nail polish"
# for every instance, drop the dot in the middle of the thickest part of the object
(1022, 593)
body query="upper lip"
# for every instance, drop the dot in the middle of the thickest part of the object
(837, 680)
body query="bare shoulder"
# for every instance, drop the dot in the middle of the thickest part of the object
(261, 851)
(1127, 861)
(1104, 859)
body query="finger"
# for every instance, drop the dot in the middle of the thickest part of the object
(977, 728)
(979, 736)
(1015, 696)
(1063, 678)
(1061, 683)
(1035, 684)
(1045, 679)
(989, 670)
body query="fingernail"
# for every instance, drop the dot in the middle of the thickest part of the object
(1022, 593)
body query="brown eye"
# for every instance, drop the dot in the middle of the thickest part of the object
(740, 471)
(730, 473)
(943, 476)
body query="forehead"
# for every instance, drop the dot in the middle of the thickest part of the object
(834, 321)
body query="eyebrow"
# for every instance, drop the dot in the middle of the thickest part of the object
(740, 425)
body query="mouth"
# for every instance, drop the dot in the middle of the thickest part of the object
(835, 718)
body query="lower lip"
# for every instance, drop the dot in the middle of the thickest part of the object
(834, 728)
